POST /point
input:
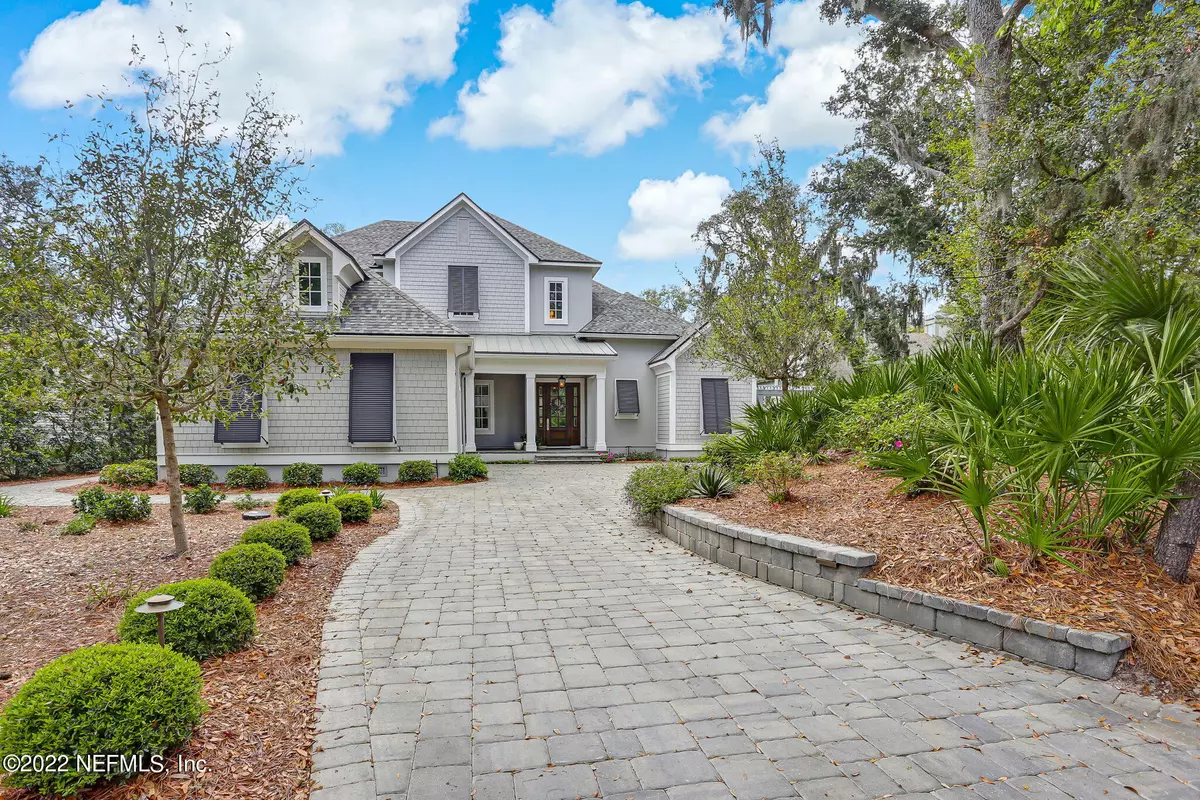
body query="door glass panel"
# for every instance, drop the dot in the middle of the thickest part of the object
(558, 407)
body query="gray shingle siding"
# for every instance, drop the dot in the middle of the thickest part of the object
(319, 422)
(421, 272)
(688, 422)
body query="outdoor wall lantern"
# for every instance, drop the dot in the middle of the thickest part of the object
(562, 381)
(325, 493)
(159, 605)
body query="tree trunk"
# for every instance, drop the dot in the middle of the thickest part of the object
(783, 385)
(167, 420)
(1178, 531)
(993, 83)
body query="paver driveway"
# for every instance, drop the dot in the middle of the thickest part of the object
(525, 638)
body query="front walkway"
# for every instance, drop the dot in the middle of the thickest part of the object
(524, 638)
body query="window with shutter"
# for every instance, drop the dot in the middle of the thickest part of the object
(246, 427)
(714, 401)
(371, 404)
(627, 398)
(462, 292)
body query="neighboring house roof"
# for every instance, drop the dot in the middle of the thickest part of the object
(377, 238)
(376, 308)
(678, 344)
(539, 345)
(616, 312)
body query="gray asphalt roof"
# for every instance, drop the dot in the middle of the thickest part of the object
(674, 346)
(370, 240)
(624, 313)
(379, 309)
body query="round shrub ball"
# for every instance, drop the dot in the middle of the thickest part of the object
(302, 473)
(361, 473)
(416, 472)
(292, 499)
(322, 520)
(287, 537)
(247, 476)
(196, 474)
(353, 507)
(216, 619)
(107, 698)
(256, 569)
(466, 467)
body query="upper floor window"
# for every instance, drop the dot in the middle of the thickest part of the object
(462, 291)
(556, 301)
(311, 283)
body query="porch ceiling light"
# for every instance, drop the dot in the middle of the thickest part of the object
(562, 381)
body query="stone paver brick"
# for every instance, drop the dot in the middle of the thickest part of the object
(526, 638)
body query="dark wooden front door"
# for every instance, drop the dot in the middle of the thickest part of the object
(558, 414)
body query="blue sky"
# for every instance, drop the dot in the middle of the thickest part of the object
(572, 108)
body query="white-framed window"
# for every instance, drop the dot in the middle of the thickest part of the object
(485, 407)
(556, 301)
(310, 284)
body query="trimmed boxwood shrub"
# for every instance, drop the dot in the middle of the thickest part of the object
(202, 499)
(289, 538)
(196, 474)
(322, 520)
(256, 569)
(136, 473)
(302, 473)
(107, 698)
(125, 507)
(361, 473)
(466, 466)
(650, 488)
(247, 476)
(216, 619)
(293, 499)
(416, 471)
(353, 507)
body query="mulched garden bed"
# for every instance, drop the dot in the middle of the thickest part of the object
(50, 476)
(256, 737)
(922, 544)
(161, 487)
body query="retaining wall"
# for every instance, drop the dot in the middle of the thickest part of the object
(836, 573)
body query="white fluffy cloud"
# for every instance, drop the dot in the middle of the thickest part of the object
(663, 215)
(340, 68)
(793, 110)
(586, 76)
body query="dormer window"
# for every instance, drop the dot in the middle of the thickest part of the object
(311, 283)
(556, 301)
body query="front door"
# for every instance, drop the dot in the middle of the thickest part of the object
(558, 414)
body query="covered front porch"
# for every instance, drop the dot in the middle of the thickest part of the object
(541, 400)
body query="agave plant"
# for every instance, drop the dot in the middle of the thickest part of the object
(712, 481)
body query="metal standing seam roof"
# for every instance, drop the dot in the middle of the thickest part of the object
(540, 345)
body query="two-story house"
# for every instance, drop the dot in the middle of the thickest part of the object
(468, 333)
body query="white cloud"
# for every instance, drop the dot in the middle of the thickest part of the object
(585, 77)
(663, 215)
(792, 110)
(340, 68)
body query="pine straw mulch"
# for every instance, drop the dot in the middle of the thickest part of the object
(922, 544)
(256, 737)
(161, 486)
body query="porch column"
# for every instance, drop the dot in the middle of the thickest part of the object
(469, 410)
(531, 412)
(601, 414)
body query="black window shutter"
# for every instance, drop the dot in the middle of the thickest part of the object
(627, 397)
(714, 400)
(371, 388)
(246, 427)
(462, 293)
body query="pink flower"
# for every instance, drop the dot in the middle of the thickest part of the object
(898, 444)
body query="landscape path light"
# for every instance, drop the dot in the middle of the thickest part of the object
(325, 493)
(159, 605)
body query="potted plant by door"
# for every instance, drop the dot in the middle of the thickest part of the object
(521, 444)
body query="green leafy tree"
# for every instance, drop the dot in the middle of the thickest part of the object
(769, 307)
(672, 297)
(160, 279)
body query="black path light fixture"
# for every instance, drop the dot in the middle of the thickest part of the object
(326, 494)
(159, 605)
